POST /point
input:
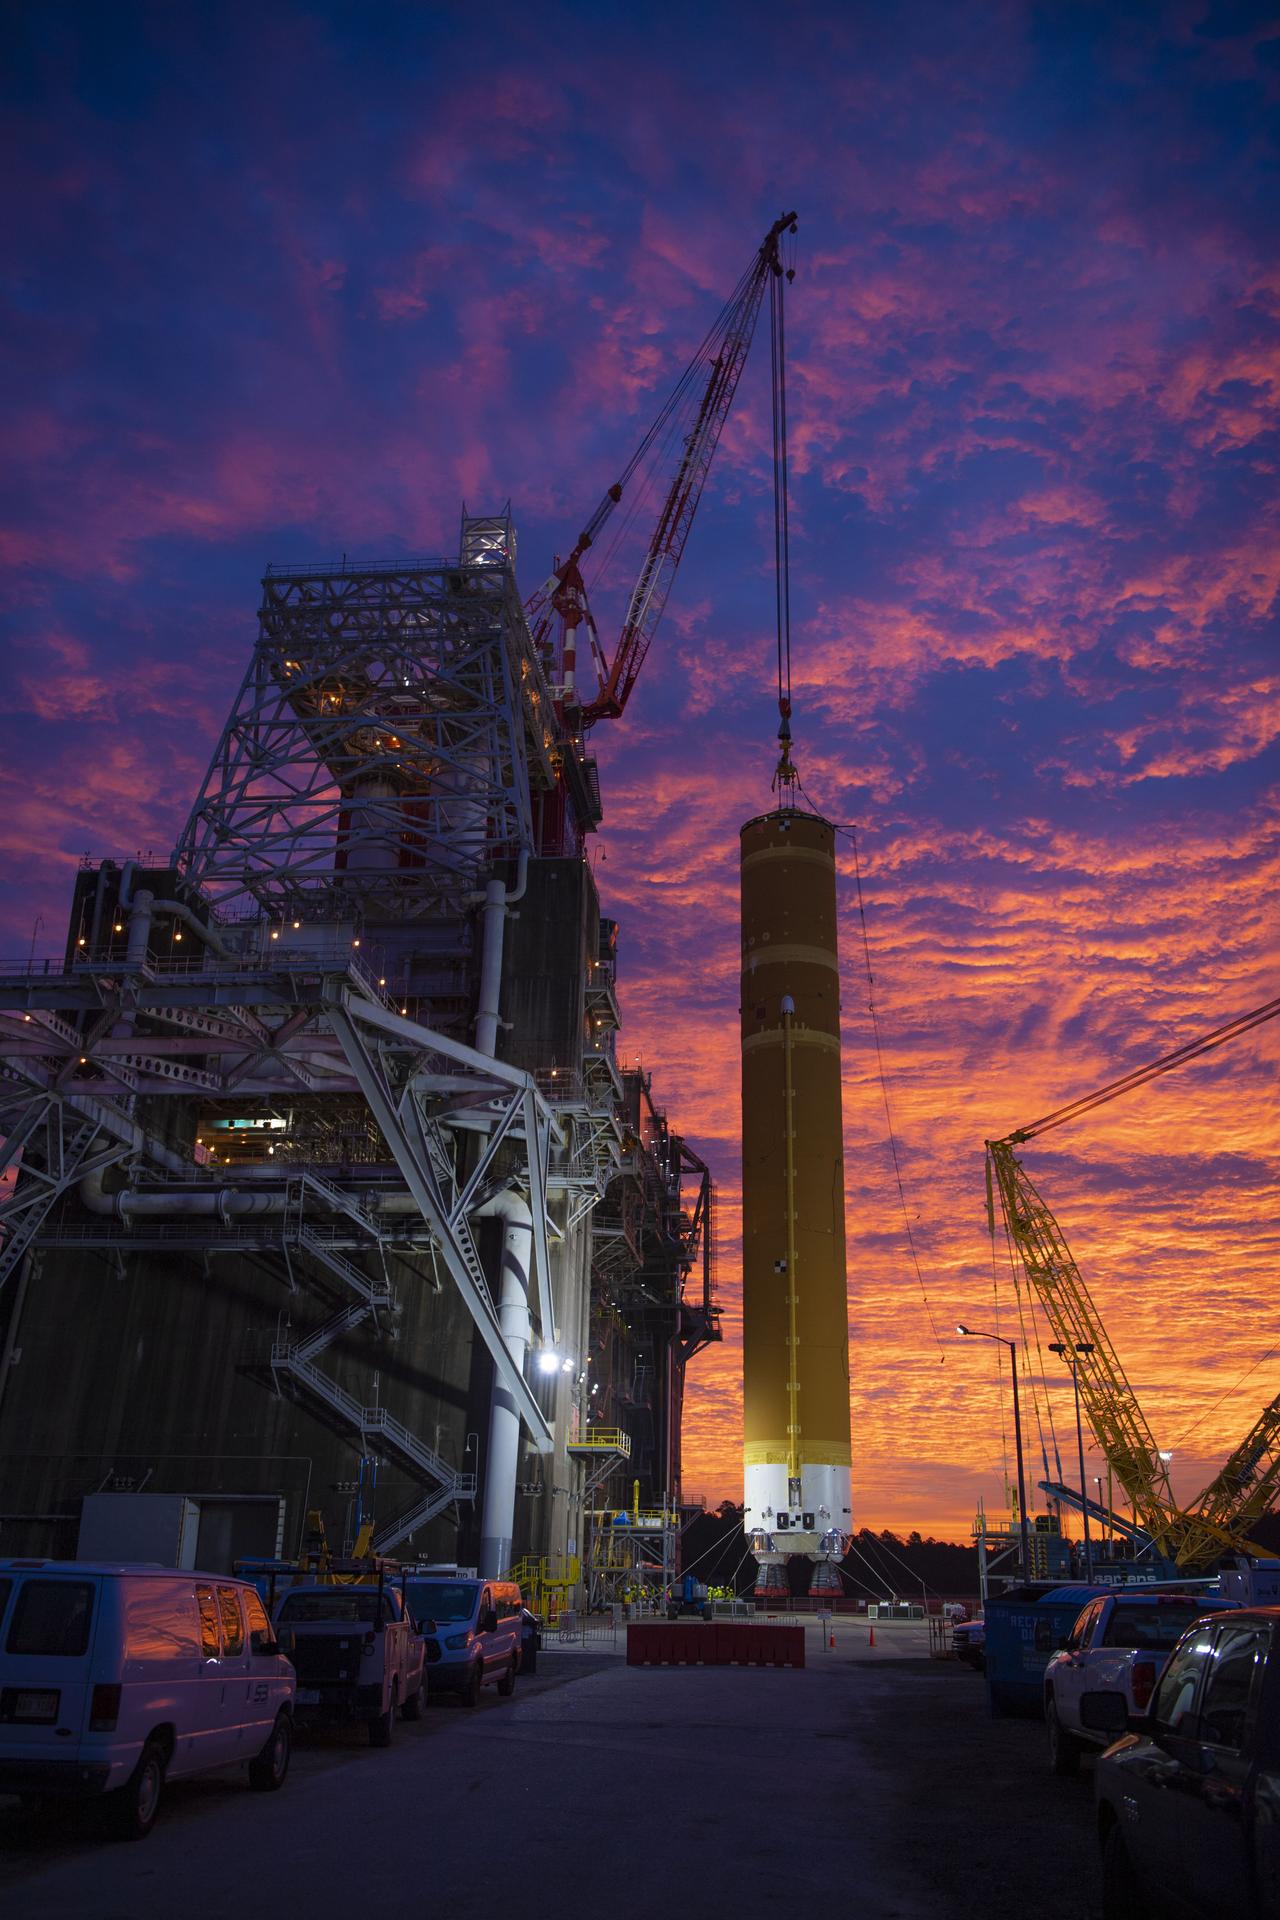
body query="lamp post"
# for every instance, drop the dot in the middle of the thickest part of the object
(1069, 1355)
(973, 1333)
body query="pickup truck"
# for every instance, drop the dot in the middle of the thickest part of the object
(969, 1642)
(1187, 1798)
(357, 1655)
(1118, 1644)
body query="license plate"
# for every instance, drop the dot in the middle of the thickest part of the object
(35, 1706)
(308, 1696)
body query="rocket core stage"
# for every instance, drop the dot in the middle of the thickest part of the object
(796, 1456)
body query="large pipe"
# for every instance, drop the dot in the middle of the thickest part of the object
(502, 1460)
(495, 901)
(223, 1203)
(143, 907)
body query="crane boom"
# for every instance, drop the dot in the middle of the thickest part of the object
(1105, 1393)
(714, 371)
(1245, 1487)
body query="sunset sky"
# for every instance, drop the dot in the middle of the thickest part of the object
(287, 281)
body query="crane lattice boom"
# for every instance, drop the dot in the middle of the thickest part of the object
(1246, 1486)
(714, 372)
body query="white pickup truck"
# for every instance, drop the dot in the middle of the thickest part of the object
(1118, 1644)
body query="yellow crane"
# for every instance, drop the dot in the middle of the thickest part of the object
(1245, 1487)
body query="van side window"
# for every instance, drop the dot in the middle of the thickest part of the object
(51, 1616)
(6, 1588)
(259, 1625)
(208, 1606)
(232, 1625)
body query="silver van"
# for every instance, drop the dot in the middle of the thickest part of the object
(114, 1679)
(472, 1630)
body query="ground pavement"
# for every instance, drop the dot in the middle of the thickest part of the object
(872, 1778)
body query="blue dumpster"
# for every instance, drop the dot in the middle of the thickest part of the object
(1024, 1626)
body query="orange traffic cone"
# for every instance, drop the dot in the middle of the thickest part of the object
(831, 1635)
(871, 1637)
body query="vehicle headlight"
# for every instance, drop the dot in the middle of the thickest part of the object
(458, 1640)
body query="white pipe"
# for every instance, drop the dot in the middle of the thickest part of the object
(496, 899)
(503, 1457)
(142, 908)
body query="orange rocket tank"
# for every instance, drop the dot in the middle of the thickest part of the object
(796, 1456)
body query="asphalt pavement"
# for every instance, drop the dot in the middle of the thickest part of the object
(871, 1778)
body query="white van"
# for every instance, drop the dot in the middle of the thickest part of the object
(116, 1678)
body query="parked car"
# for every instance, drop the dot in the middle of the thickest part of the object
(968, 1642)
(1187, 1797)
(530, 1640)
(1119, 1643)
(114, 1679)
(358, 1655)
(473, 1632)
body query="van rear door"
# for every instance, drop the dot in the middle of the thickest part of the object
(44, 1663)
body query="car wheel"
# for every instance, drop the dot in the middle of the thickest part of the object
(1121, 1892)
(507, 1684)
(475, 1680)
(267, 1769)
(132, 1809)
(383, 1725)
(1064, 1752)
(416, 1704)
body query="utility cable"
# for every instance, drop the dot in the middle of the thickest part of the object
(882, 1547)
(886, 1585)
(884, 1094)
(1215, 1404)
(853, 1580)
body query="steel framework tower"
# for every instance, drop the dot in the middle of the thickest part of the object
(262, 1090)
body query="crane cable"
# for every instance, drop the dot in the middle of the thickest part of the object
(1192, 1049)
(785, 778)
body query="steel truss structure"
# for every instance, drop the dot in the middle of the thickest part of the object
(304, 972)
(384, 745)
(86, 1049)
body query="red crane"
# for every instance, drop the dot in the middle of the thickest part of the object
(703, 398)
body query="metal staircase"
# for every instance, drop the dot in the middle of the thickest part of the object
(294, 1375)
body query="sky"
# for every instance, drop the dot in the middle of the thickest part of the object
(285, 281)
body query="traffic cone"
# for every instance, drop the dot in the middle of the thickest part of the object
(831, 1636)
(871, 1637)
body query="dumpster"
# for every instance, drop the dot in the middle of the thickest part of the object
(1024, 1626)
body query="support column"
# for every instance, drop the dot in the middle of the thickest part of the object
(502, 1457)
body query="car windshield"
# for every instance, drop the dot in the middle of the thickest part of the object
(442, 1600)
(333, 1604)
(1154, 1626)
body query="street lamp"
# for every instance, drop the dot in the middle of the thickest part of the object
(972, 1333)
(1069, 1355)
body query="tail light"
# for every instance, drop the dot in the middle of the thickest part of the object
(370, 1642)
(1143, 1676)
(104, 1709)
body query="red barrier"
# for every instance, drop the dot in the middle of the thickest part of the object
(675, 1643)
(760, 1645)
